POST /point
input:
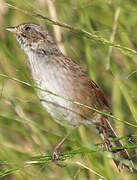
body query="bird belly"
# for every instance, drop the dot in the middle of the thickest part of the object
(61, 110)
(50, 77)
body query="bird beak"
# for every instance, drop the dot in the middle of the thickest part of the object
(12, 29)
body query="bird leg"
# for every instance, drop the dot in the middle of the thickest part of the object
(55, 156)
(106, 143)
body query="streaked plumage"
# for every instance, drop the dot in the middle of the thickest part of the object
(57, 73)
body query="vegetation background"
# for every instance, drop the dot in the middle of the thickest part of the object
(27, 133)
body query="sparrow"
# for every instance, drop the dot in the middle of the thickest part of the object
(57, 73)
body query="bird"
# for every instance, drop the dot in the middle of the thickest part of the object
(54, 72)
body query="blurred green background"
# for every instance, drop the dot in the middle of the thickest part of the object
(26, 129)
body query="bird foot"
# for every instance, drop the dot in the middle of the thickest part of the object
(106, 143)
(56, 158)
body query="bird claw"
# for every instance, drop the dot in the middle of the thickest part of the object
(106, 144)
(56, 158)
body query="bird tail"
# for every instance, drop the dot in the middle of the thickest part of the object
(108, 133)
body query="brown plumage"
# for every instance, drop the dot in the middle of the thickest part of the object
(55, 72)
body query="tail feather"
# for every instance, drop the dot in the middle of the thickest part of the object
(107, 133)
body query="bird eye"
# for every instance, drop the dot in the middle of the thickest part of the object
(27, 28)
